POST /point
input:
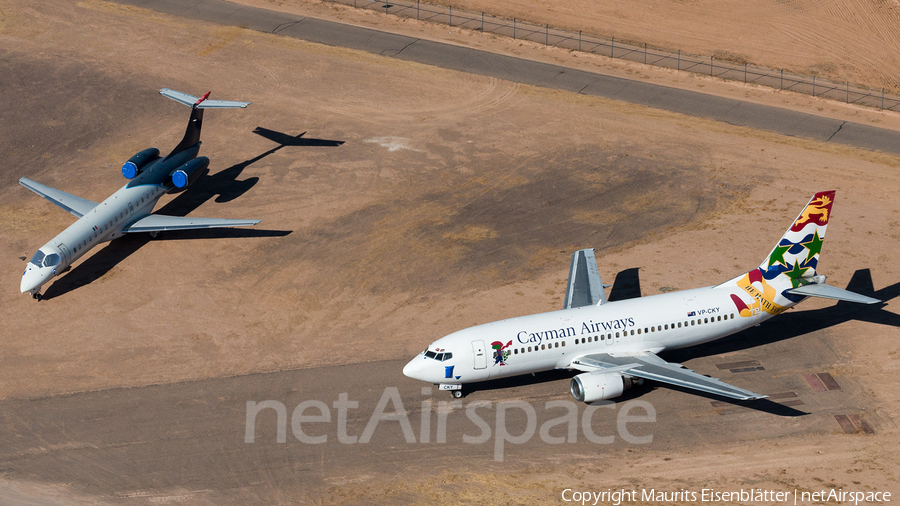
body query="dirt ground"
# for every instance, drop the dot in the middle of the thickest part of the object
(841, 40)
(454, 200)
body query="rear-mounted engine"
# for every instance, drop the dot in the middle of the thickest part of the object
(189, 172)
(135, 165)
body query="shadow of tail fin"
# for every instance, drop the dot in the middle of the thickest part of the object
(626, 286)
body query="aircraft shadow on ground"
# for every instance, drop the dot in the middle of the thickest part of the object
(223, 185)
(785, 326)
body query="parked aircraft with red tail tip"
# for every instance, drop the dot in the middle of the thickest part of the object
(128, 210)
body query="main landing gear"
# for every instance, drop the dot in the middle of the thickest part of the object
(457, 394)
(37, 296)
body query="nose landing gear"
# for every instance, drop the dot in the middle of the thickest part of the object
(36, 295)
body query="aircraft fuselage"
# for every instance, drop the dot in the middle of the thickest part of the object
(555, 340)
(104, 222)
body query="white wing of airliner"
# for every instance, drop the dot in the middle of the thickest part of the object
(585, 287)
(161, 223)
(76, 206)
(649, 366)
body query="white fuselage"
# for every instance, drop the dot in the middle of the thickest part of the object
(103, 223)
(555, 340)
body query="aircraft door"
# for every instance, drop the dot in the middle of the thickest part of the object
(65, 253)
(480, 354)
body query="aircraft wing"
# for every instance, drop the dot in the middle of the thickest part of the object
(585, 287)
(649, 366)
(76, 206)
(161, 223)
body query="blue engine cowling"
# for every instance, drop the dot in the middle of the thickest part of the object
(183, 176)
(136, 163)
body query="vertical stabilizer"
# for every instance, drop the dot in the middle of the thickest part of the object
(791, 264)
(197, 104)
(796, 255)
(192, 133)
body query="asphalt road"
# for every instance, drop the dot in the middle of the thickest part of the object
(734, 112)
(203, 441)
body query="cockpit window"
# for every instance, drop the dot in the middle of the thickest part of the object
(51, 260)
(37, 258)
(440, 357)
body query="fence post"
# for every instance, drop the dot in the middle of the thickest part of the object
(417, 9)
(579, 40)
(710, 67)
(451, 16)
(882, 99)
(745, 73)
(814, 85)
(514, 28)
(482, 22)
(547, 35)
(612, 48)
(848, 92)
(645, 53)
(781, 85)
(679, 60)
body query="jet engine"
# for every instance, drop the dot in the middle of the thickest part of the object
(189, 172)
(135, 165)
(591, 387)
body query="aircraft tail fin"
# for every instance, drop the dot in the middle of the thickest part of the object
(788, 274)
(796, 255)
(197, 104)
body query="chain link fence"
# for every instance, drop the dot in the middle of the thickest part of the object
(578, 41)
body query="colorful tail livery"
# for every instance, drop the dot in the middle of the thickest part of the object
(615, 344)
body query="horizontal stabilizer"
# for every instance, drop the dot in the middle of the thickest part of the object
(201, 102)
(161, 223)
(649, 366)
(76, 206)
(831, 292)
(585, 287)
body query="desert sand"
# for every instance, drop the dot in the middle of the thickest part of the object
(454, 200)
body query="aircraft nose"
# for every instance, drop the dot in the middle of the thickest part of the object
(414, 369)
(32, 278)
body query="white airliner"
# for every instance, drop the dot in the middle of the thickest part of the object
(615, 344)
(128, 210)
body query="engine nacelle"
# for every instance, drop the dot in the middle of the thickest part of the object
(135, 165)
(591, 387)
(189, 172)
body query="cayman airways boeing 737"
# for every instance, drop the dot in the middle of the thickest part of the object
(615, 344)
(128, 210)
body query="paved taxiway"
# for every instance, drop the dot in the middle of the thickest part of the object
(734, 112)
(189, 438)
